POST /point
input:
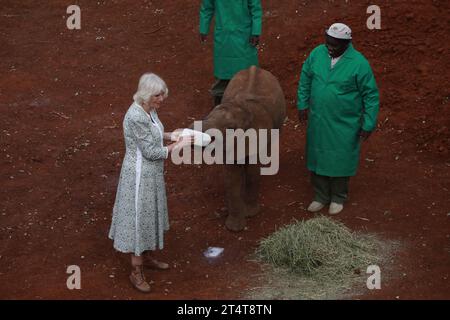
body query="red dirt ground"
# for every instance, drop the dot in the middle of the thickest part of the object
(63, 95)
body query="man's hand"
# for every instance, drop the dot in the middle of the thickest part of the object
(254, 40)
(203, 37)
(364, 135)
(303, 115)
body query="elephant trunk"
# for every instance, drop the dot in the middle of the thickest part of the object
(219, 118)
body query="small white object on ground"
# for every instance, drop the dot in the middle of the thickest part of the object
(200, 139)
(213, 252)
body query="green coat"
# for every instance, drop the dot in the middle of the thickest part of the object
(341, 101)
(236, 21)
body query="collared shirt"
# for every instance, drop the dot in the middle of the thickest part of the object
(335, 60)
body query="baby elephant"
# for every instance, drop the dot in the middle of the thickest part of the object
(253, 100)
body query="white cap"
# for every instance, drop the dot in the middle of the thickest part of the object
(340, 31)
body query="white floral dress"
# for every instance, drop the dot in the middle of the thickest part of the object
(140, 215)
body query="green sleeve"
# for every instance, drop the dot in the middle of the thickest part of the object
(256, 13)
(206, 14)
(371, 99)
(304, 87)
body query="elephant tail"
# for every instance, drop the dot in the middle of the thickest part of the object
(251, 78)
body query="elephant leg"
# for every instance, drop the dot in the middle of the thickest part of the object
(252, 181)
(235, 189)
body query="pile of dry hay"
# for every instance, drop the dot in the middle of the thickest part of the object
(320, 249)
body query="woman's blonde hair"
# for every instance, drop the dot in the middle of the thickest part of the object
(150, 85)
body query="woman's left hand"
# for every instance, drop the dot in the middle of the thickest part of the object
(185, 140)
(175, 136)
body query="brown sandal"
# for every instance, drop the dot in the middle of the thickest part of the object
(138, 281)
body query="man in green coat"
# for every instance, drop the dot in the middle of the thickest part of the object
(338, 88)
(236, 35)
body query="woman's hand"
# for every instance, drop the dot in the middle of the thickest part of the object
(181, 143)
(185, 141)
(175, 136)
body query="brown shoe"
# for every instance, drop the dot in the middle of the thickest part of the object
(138, 281)
(155, 264)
